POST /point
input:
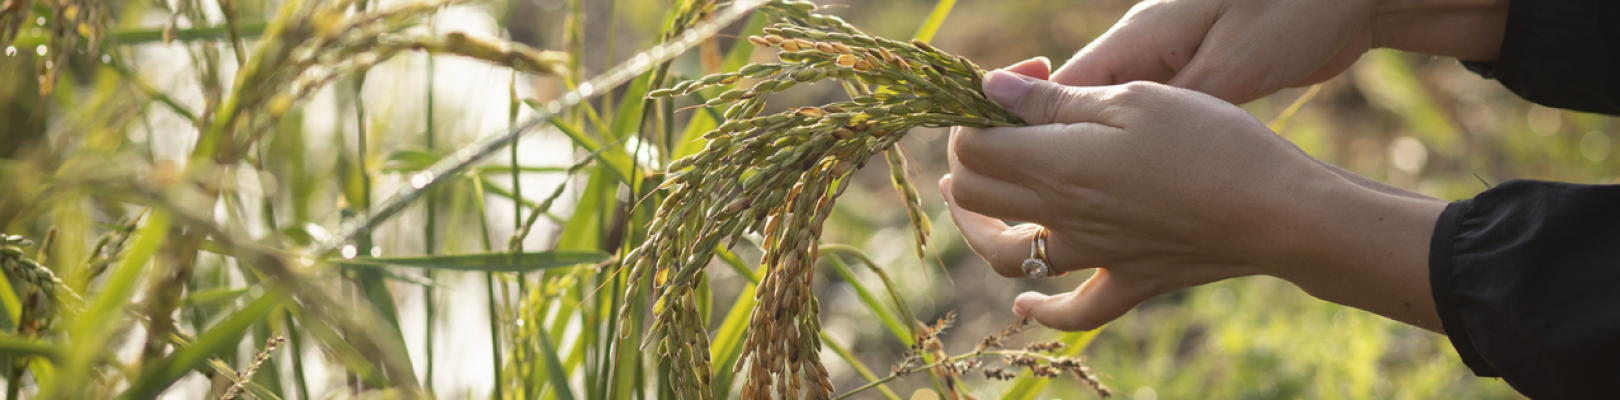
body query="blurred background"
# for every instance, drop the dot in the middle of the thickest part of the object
(1416, 122)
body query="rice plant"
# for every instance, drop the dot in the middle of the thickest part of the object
(245, 199)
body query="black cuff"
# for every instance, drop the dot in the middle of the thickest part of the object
(1560, 53)
(1442, 284)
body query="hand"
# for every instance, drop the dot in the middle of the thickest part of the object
(1241, 50)
(1167, 188)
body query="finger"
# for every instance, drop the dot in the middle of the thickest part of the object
(1139, 47)
(1103, 298)
(992, 197)
(1230, 65)
(1028, 156)
(1038, 68)
(1042, 102)
(1003, 247)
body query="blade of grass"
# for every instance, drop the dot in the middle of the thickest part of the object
(213, 296)
(860, 368)
(895, 326)
(888, 284)
(1277, 124)
(296, 338)
(14, 345)
(429, 246)
(616, 158)
(13, 307)
(728, 340)
(223, 337)
(490, 262)
(345, 353)
(91, 330)
(152, 35)
(559, 378)
(936, 18)
(489, 289)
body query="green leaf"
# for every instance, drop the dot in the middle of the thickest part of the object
(856, 363)
(259, 391)
(336, 346)
(895, 326)
(95, 326)
(617, 159)
(727, 345)
(490, 262)
(409, 161)
(223, 337)
(18, 345)
(628, 120)
(935, 19)
(13, 307)
(138, 36)
(591, 215)
(888, 285)
(221, 368)
(559, 378)
(728, 341)
(213, 296)
(503, 170)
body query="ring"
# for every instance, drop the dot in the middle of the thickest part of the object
(1037, 266)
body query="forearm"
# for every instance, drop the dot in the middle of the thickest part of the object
(1357, 246)
(1466, 29)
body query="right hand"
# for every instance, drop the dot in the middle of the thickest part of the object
(1163, 188)
(1241, 50)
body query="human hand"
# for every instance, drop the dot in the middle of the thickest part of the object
(1167, 188)
(1241, 50)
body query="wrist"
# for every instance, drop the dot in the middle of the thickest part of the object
(1358, 246)
(1466, 29)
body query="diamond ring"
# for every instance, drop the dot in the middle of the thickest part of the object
(1037, 266)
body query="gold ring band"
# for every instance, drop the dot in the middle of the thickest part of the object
(1038, 266)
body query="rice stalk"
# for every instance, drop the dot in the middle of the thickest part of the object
(1035, 358)
(243, 378)
(779, 176)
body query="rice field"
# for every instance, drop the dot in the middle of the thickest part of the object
(631, 199)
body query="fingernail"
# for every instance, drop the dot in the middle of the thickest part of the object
(1025, 301)
(1044, 60)
(945, 189)
(1007, 88)
(1039, 59)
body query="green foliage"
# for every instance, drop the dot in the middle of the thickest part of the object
(173, 187)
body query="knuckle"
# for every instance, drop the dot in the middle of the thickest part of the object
(1140, 91)
(1047, 101)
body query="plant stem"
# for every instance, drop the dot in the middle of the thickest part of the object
(489, 288)
(297, 350)
(428, 244)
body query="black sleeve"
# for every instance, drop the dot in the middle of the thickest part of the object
(1526, 279)
(1561, 53)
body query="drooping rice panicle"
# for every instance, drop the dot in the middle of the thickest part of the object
(778, 175)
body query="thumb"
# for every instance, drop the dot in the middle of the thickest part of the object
(1102, 299)
(1041, 102)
